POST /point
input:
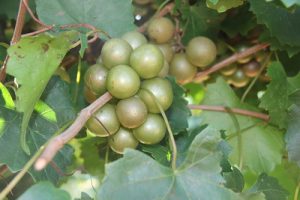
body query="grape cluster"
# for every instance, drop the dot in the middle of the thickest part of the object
(132, 70)
(240, 73)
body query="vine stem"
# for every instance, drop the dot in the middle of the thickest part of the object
(20, 175)
(171, 137)
(239, 111)
(231, 59)
(56, 143)
(297, 192)
(16, 35)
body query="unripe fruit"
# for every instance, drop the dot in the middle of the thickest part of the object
(135, 39)
(229, 70)
(95, 79)
(241, 48)
(152, 131)
(104, 122)
(239, 79)
(122, 81)
(161, 30)
(147, 60)
(167, 51)
(89, 95)
(251, 69)
(162, 91)
(131, 112)
(201, 51)
(182, 69)
(165, 70)
(115, 52)
(121, 140)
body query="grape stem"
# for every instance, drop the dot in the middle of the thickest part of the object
(16, 35)
(56, 143)
(231, 59)
(239, 111)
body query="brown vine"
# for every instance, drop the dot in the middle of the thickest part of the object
(239, 111)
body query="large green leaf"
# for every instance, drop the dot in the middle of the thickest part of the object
(241, 21)
(270, 187)
(275, 100)
(32, 62)
(289, 3)
(262, 144)
(292, 137)
(10, 8)
(114, 16)
(137, 176)
(199, 20)
(45, 191)
(39, 131)
(283, 25)
(90, 155)
(223, 5)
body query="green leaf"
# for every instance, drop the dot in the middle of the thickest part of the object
(178, 113)
(223, 5)
(276, 45)
(292, 136)
(253, 196)
(275, 100)
(234, 180)
(32, 62)
(140, 177)
(45, 191)
(199, 20)
(90, 155)
(5, 98)
(264, 151)
(158, 152)
(283, 25)
(10, 8)
(270, 187)
(85, 196)
(39, 131)
(239, 22)
(289, 3)
(114, 16)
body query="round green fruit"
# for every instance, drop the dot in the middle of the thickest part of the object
(89, 96)
(121, 140)
(239, 79)
(135, 39)
(152, 131)
(161, 30)
(131, 112)
(167, 51)
(165, 70)
(104, 122)
(182, 69)
(115, 52)
(122, 82)
(251, 69)
(147, 60)
(229, 70)
(241, 48)
(201, 51)
(162, 91)
(95, 78)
